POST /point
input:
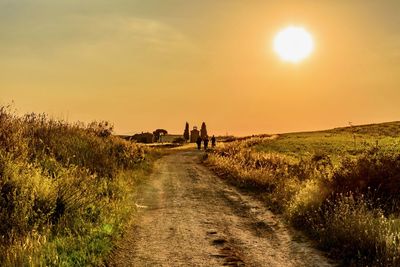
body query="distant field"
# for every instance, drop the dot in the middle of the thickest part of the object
(340, 186)
(337, 142)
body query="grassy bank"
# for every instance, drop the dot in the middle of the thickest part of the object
(65, 189)
(339, 186)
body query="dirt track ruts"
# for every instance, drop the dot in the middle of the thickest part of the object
(190, 217)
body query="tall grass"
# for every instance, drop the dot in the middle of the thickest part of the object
(347, 201)
(64, 189)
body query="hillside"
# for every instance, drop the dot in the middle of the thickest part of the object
(377, 129)
(335, 142)
(340, 186)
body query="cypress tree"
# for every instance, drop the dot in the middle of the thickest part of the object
(203, 131)
(186, 132)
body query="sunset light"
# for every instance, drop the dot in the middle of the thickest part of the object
(199, 133)
(293, 44)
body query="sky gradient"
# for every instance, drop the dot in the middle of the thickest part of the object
(156, 64)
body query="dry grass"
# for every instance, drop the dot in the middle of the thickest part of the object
(64, 189)
(343, 196)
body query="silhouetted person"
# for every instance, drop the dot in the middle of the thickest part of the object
(198, 142)
(205, 143)
(213, 141)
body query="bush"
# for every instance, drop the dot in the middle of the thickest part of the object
(179, 141)
(374, 174)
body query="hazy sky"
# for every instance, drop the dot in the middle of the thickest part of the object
(149, 64)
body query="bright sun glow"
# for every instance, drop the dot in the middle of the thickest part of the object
(293, 44)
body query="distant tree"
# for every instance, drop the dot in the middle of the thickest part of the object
(157, 133)
(179, 140)
(203, 131)
(186, 135)
(145, 138)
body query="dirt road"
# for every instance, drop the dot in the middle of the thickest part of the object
(190, 217)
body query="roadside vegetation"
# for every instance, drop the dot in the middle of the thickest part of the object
(65, 189)
(339, 186)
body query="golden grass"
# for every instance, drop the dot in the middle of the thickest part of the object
(65, 190)
(342, 195)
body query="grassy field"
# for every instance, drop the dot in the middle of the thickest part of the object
(340, 186)
(65, 189)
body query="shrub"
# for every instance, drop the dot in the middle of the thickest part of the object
(179, 140)
(375, 174)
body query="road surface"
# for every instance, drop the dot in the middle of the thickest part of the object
(190, 217)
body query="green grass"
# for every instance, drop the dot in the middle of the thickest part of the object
(340, 186)
(335, 143)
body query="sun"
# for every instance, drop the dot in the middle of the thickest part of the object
(293, 44)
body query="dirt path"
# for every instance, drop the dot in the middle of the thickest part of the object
(190, 217)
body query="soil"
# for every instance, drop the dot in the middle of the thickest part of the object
(187, 216)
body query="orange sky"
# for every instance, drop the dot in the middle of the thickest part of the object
(157, 64)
